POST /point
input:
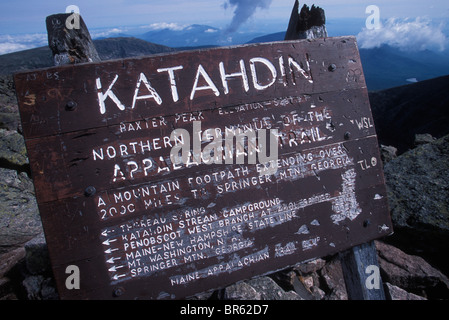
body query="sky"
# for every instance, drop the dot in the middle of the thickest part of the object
(27, 17)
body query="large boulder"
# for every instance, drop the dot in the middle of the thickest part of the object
(418, 189)
(410, 273)
(19, 215)
(9, 111)
(13, 153)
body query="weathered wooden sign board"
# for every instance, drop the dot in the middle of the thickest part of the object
(138, 225)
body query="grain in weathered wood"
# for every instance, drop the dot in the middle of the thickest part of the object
(69, 39)
(168, 232)
(358, 264)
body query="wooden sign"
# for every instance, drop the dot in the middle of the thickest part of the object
(135, 223)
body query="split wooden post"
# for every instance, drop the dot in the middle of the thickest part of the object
(310, 24)
(361, 273)
(69, 39)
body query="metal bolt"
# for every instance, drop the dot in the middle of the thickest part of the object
(71, 105)
(347, 135)
(332, 67)
(90, 191)
(118, 291)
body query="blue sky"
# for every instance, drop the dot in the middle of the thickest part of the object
(27, 17)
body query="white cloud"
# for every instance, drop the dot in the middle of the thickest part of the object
(13, 43)
(405, 34)
(164, 25)
(8, 47)
(106, 33)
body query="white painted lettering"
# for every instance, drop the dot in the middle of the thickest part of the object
(153, 94)
(206, 77)
(103, 96)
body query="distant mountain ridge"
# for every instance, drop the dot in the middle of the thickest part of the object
(278, 36)
(401, 112)
(196, 35)
(387, 67)
(384, 67)
(109, 48)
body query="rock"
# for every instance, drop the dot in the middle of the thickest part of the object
(334, 282)
(417, 185)
(13, 153)
(28, 274)
(9, 259)
(270, 290)
(310, 266)
(6, 289)
(9, 120)
(37, 258)
(291, 295)
(318, 293)
(423, 139)
(260, 288)
(387, 153)
(284, 278)
(411, 273)
(39, 288)
(9, 110)
(395, 293)
(19, 215)
(241, 291)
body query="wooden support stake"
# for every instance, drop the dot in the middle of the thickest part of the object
(361, 273)
(69, 39)
(307, 24)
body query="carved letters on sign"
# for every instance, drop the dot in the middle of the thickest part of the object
(116, 204)
(201, 75)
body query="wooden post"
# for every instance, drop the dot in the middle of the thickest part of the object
(361, 273)
(310, 24)
(69, 39)
(307, 24)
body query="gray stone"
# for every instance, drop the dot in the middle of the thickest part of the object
(395, 293)
(292, 295)
(310, 266)
(388, 153)
(6, 289)
(19, 215)
(9, 110)
(9, 259)
(332, 275)
(9, 121)
(411, 273)
(39, 288)
(423, 139)
(270, 290)
(32, 286)
(418, 188)
(37, 259)
(418, 182)
(241, 291)
(13, 152)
